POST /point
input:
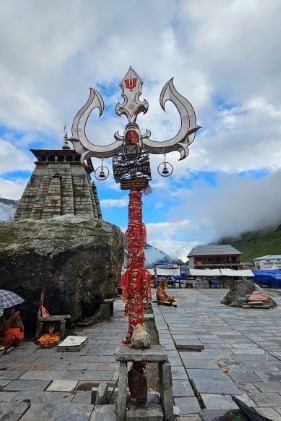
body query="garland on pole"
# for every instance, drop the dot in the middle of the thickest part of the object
(136, 281)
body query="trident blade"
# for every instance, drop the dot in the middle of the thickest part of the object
(188, 128)
(79, 139)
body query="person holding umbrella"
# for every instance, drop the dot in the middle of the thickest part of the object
(11, 325)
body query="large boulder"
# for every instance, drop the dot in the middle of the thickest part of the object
(77, 259)
(238, 294)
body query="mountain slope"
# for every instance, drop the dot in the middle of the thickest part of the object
(256, 244)
(153, 256)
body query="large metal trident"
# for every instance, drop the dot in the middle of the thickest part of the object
(130, 153)
(131, 86)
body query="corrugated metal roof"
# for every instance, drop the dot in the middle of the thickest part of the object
(167, 272)
(246, 273)
(204, 272)
(214, 250)
(269, 257)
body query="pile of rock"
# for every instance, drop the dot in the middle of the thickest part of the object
(246, 294)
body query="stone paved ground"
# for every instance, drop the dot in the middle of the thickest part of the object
(241, 357)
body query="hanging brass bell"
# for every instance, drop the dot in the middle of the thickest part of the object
(165, 170)
(102, 174)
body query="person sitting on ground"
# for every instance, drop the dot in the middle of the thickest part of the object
(11, 328)
(161, 294)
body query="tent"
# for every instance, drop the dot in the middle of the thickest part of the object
(204, 272)
(246, 273)
(168, 270)
(270, 278)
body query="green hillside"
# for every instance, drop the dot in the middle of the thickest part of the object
(256, 244)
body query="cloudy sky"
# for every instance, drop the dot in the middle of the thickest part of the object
(225, 58)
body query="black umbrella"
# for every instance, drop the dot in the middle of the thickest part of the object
(9, 299)
(249, 411)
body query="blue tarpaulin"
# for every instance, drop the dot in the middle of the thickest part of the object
(270, 278)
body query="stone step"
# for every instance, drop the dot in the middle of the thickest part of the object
(188, 345)
(255, 302)
(152, 412)
(104, 413)
(72, 343)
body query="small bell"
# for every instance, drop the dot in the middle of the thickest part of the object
(165, 170)
(101, 174)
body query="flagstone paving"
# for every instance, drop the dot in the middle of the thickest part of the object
(215, 352)
(246, 341)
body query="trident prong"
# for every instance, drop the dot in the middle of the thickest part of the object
(188, 128)
(79, 138)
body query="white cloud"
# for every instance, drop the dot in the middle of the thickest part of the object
(166, 228)
(212, 50)
(12, 158)
(12, 189)
(235, 205)
(168, 237)
(114, 203)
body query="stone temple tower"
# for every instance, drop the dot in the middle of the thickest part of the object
(59, 185)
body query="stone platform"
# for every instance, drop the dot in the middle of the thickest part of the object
(241, 356)
(155, 354)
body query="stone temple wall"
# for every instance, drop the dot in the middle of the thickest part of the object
(58, 188)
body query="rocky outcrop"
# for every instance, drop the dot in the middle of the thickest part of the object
(237, 295)
(77, 259)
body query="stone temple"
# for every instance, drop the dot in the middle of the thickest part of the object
(60, 185)
(59, 241)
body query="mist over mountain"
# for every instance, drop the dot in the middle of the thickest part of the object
(7, 209)
(154, 256)
(249, 235)
(253, 244)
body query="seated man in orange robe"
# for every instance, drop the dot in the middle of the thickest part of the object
(161, 294)
(11, 329)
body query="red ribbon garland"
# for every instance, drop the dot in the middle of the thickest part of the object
(136, 281)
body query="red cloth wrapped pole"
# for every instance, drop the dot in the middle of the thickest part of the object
(136, 281)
